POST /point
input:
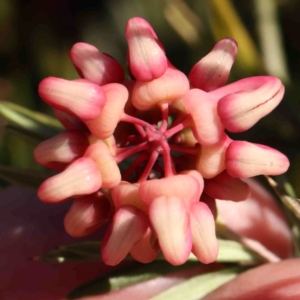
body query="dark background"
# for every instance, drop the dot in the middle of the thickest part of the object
(35, 39)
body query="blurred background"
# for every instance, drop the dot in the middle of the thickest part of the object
(35, 38)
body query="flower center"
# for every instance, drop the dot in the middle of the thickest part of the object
(152, 150)
(154, 137)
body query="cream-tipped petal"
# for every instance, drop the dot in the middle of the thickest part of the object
(80, 178)
(226, 187)
(62, 149)
(146, 248)
(197, 176)
(127, 193)
(147, 59)
(100, 154)
(212, 71)
(245, 159)
(171, 86)
(105, 124)
(128, 225)
(250, 100)
(206, 124)
(205, 244)
(95, 66)
(184, 187)
(87, 214)
(80, 98)
(211, 159)
(170, 221)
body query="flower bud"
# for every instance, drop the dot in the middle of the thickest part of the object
(147, 59)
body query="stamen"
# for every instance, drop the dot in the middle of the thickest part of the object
(168, 163)
(130, 151)
(149, 166)
(165, 114)
(178, 127)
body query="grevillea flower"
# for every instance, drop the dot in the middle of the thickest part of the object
(150, 155)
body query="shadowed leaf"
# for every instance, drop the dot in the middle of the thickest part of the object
(30, 179)
(37, 123)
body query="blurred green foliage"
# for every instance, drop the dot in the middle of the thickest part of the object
(35, 38)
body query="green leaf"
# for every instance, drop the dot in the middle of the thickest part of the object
(30, 179)
(286, 194)
(124, 277)
(229, 251)
(83, 251)
(232, 251)
(292, 203)
(199, 286)
(29, 136)
(37, 123)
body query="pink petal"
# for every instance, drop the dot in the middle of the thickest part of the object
(146, 248)
(147, 59)
(170, 221)
(206, 125)
(245, 159)
(205, 244)
(128, 225)
(127, 193)
(211, 159)
(100, 154)
(212, 71)
(226, 187)
(87, 214)
(105, 124)
(61, 149)
(95, 66)
(195, 174)
(171, 86)
(81, 177)
(249, 100)
(184, 187)
(80, 98)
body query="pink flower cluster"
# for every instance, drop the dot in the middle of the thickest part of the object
(151, 154)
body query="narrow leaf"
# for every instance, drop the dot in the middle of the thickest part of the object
(35, 122)
(292, 203)
(83, 251)
(28, 136)
(30, 179)
(199, 286)
(124, 277)
(286, 194)
(230, 252)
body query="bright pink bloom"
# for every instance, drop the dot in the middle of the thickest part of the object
(147, 59)
(212, 71)
(95, 66)
(62, 149)
(128, 225)
(145, 145)
(82, 99)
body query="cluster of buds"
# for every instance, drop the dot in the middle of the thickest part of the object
(150, 154)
